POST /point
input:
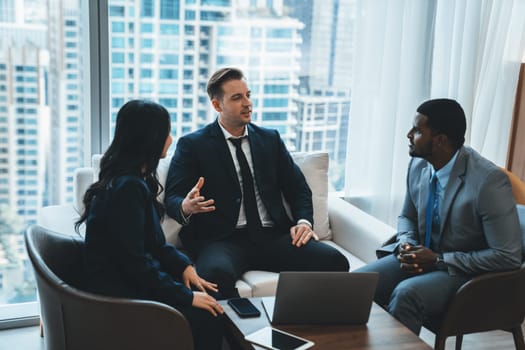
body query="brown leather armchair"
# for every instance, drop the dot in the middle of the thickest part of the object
(77, 320)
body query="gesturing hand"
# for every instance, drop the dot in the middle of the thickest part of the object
(207, 302)
(191, 278)
(416, 259)
(301, 234)
(195, 203)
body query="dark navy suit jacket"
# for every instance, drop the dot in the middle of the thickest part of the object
(205, 153)
(126, 254)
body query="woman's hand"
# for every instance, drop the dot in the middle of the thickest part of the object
(207, 302)
(190, 278)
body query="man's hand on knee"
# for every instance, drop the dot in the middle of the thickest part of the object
(301, 234)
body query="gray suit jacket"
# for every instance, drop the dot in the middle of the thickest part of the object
(480, 230)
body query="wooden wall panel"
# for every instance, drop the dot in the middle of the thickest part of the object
(516, 151)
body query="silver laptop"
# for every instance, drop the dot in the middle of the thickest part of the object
(322, 298)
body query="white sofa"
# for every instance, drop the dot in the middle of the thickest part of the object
(340, 224)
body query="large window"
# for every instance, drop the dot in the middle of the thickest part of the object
(293, 55)
(42, 130)
(163, 51)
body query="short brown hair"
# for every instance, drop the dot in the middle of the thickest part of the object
(214, 87)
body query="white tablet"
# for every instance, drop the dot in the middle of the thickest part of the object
(275, 339)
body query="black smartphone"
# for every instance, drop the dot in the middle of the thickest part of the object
(244, 307)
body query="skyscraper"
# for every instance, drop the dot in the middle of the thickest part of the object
(41, 123)
(327, 51)
(24, 118)
(326, 77)
(323, 126)
(166, 51)
(8, 11)
(65, 150)
(24, 68)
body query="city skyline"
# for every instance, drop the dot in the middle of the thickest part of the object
(164, 51)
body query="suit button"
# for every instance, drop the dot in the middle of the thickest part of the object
(238, 200)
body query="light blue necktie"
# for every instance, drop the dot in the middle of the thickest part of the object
(430, 209)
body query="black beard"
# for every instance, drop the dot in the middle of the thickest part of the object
(424, 155)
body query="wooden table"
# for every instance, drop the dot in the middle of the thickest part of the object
(381, 332)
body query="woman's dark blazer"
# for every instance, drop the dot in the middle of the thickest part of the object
(126, 254)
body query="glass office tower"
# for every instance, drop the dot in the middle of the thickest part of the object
(167, 50)
(67, 85)
(41, 124)
(24, 72)
(326, 76)
(24, 118)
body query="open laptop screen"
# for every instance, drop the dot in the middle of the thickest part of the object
(322, 298)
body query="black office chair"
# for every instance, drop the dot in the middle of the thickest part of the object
(77, 320)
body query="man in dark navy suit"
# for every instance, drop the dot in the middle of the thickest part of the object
(224, 186)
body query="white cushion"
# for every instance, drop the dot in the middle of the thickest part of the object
(60, 218)
(262, 283)
(171, 230)
(95, 164)
(83, 178)
(314, 166)
(244, 289)
(162, 174)
(357, 231)
(170, 226)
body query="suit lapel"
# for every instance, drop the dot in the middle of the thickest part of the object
(218, 142)
(256, 149)
(455, 182)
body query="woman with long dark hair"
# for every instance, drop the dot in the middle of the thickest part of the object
(126, 253)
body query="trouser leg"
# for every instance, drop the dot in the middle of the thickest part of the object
(280, 255)
(390, 274)
(223, 263)
(422, 296)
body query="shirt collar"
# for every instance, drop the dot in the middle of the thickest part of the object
(227, 135)
(443, 174)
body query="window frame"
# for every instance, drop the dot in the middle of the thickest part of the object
(99, 99)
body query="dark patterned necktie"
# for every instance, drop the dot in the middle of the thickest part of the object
(248, 190)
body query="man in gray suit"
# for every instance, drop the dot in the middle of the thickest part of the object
(458, 220)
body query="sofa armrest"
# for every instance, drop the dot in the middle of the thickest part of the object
(356, 231)
(83, 178)
(60, 218)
